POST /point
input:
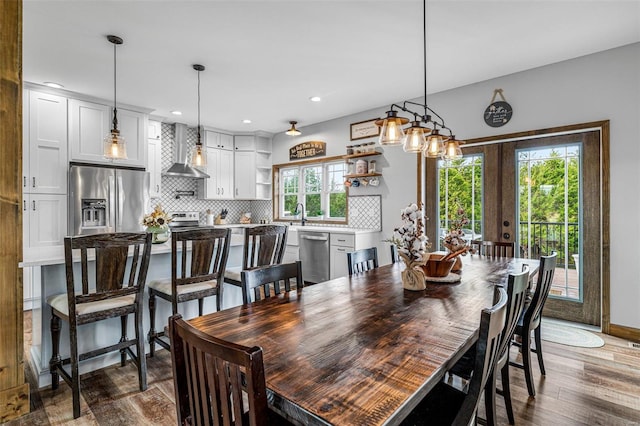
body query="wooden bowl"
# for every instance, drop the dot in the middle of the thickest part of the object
(436, 267)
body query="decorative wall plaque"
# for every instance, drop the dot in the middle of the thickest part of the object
(364, 129)
(307, 150)
(498, 113)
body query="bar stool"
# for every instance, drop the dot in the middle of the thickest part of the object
(194, 277)
(118, 289)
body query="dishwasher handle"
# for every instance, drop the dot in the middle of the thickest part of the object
(311, 237)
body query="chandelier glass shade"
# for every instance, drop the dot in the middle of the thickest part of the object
(199, 153)
(114, 144)
(391, 132)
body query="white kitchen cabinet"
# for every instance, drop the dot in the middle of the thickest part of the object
(154, 159)
(341, 243)
(245, 143)
(45, 219)
(90, 122)
(45, 144)
(219, 185)
(245, 172)
(291, 250)
(253, 167)
(218, 140)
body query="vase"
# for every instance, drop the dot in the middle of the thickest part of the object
(159, 234)
(412, 277)
(457, 267)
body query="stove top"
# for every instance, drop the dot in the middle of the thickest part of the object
(182, 219)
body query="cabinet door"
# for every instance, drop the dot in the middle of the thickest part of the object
(245, 175)
(133, 128)
(154, 167)
(154, 130)
(47, 144)
(290, 254)
(207, 188)
(245, 143)
(47, 219)
(88, 126)
(226, 141)
(212, 139)
(225, 174)
(338, 261)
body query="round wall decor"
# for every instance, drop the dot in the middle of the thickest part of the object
(498, 113)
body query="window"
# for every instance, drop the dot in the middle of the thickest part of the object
(318, 186)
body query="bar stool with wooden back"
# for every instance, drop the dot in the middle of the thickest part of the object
(194, 277)
(531, 319)
(262, 278)
(362, 260)
(116, 290)
(263, 245)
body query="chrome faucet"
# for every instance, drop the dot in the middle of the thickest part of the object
(300, 210)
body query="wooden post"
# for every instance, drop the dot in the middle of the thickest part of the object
(14, 392)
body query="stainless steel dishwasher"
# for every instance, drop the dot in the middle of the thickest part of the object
(314, 255)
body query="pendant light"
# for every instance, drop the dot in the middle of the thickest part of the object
(199, 154)
(414, 139)
(391, 132)
(452, 149)
(114, 144)
(293, 131)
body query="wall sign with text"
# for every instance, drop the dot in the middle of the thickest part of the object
(498, 113)
(364, 129)
(307, 150)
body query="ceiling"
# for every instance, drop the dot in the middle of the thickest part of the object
(265, 59)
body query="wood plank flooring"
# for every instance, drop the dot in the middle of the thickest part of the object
(583, 386)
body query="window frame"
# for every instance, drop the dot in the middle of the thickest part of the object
(278, 192)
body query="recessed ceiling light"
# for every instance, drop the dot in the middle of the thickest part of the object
(315, 99)
(246, 121)
(52, 84)
(176, 112)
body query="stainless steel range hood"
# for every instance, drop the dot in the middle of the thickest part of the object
(180, 167)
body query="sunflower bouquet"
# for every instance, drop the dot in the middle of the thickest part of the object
(158, 218)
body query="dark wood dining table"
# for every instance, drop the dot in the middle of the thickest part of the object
(361, 350)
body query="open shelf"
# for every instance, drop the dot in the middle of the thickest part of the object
(362, 154)
(362, 175)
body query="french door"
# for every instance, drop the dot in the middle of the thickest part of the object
(544, 194)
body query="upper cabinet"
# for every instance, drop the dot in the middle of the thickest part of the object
(90, 122)
(218, 140)
(154, 158)
(219, 185)
(45, 144)
(252, 167)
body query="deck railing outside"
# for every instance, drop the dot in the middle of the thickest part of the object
(546, 237)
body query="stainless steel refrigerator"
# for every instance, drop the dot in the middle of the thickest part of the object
(105, 199)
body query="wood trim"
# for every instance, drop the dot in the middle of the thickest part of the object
(14, 392)
(14, 402)
(309, 161)
(624, 332)
(542, 132)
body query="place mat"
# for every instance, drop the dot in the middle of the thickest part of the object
(570, 336)
(451, 278)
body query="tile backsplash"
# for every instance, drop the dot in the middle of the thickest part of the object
(365, 211)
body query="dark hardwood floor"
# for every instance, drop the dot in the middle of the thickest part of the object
(583, 386)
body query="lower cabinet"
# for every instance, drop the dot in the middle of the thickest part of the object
(338, 261)
(291, 250)
(343, 243)
(45, 219)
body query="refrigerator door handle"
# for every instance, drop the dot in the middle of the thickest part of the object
(120, 202)
(111, 220)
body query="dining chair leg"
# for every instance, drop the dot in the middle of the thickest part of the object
(490, 400)
(152, 324)
(526, 362)
(538, 338)
(123, 338)
(55, 360)
(75, 374)
(506, 393)
(200, 306)
(142, 358)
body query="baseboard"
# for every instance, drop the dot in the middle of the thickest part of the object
(624, 332)
(14, 402)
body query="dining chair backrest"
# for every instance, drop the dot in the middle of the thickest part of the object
(261, 279)
(362, 260)
(264, 245)
(492, 321)
(216, 382)
(497, 249)
(395, 258)
(543, 287)
(114, 276)
(208, 260)
(517, 285)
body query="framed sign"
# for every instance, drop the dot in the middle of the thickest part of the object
(307, 150)
(498, 113)
(364, 129)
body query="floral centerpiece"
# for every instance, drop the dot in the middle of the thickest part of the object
(454, 240)
(412, 246)
(157, 222)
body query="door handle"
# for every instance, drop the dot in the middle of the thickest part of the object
(34, 205)
(341, 249)
(157, 188)
(24, 181)
(34, 181)
(308, 237)
(24, 205)
(222, 191)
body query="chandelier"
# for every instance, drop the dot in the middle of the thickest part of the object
(425, 131)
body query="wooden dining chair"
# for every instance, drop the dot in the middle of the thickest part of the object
(497, 249)
(446, 405)
(216, 382)
(260, 280)
(532, 318)
(194, 277)
(395, 258)
(116, 290)
(362, 260)
(263, 245)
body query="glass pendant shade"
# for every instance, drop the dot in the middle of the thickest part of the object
(199, 157)
(414, 139)
(452, 149)
(434, 145)
(293, 131)
(114, 146)
(391, 132)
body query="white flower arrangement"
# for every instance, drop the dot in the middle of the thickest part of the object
(410, 238)
(158, 218)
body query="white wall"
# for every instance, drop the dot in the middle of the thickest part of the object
(602, 86)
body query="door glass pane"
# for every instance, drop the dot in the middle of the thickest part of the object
(460, 186)
(289, 189)
(549, 212)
